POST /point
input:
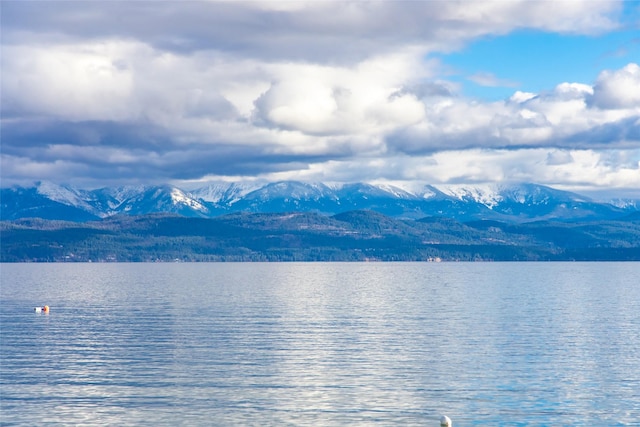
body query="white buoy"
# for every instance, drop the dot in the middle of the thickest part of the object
(38, 309)
(445, 421)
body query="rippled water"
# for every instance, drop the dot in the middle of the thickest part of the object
(321, 344)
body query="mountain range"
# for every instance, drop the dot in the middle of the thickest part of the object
(517, 203)
(295, 221)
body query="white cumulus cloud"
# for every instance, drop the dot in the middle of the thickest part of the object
(618, 88)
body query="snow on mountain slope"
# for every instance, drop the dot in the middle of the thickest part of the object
(109, 200)
(163, 198)
(120, 194)
(367, 191)
(69, 196)
(19, 202)
(520, 202)
(536, 194)
(624, 203)
(291, 190)
(61, 193)
(428, 192)
(225, 192)
(395, 191)
(179, 197)
(493, 195)
(488, 195)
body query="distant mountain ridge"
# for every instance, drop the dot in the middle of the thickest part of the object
(510, 203)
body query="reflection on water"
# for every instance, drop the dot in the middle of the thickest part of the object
(321, 344)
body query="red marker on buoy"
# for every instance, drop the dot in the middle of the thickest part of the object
(45, 309)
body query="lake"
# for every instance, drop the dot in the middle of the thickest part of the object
(320, 344)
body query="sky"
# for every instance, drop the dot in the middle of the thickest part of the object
(97, 93)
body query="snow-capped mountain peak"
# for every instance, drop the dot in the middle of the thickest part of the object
(225, 192)
(488, 195)
(67, 195)
(519, 202)
(59, 193)
(395, 191)
(290, 190)
(180, 197)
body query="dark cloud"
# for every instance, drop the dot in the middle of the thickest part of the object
(410, 142)
(210, 105)
(111, 151)
(558, 157)
(41, 133)
(623, 133)
(428, 90)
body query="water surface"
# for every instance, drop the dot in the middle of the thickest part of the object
(321, 344)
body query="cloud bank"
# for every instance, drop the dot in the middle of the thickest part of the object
(97, 93)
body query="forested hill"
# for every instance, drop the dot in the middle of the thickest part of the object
(350, 236)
